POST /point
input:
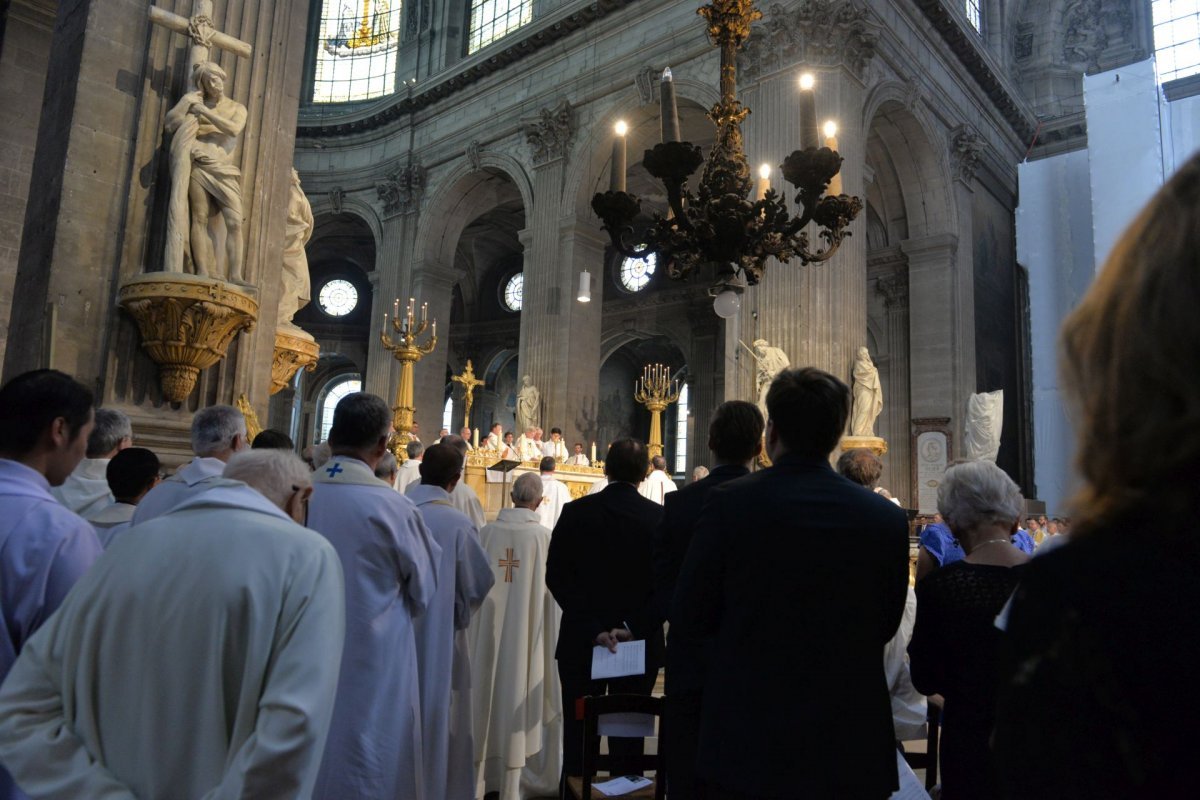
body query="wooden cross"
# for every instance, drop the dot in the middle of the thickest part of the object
(469, 382)
(204, 35)
(509, 564)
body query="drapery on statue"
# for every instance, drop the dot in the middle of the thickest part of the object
(529, 401)
(770, 361)
(868, 395)
(296, 287)
(204, 126)
(985, 421)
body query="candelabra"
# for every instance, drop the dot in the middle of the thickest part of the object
(717, 225)
(656, 390)
(407, 351)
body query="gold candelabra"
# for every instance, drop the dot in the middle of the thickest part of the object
(404, 347)
(656, 390)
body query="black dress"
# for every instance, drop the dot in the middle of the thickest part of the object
(954, 652)
(1101, 698)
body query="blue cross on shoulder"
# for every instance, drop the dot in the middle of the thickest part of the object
(334, 470)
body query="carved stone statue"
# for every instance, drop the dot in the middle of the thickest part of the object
(296, 288)
(985, 419)
(771, 361)
(206, 186)
(868, 395)
(529, 403)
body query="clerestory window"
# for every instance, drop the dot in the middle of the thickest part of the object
(494, 19)
(356, 51)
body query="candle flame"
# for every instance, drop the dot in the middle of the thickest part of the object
(621, 128)
(830, 129)
(807, 81)
(764, 171)
(667, 74)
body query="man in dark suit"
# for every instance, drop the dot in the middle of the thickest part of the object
(735, 439)
(600, 570)
(795, 700)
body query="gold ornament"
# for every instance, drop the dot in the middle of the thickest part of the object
(186, 323)
(293, 350)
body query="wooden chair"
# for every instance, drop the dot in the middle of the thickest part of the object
(590, 709)
(929, 759)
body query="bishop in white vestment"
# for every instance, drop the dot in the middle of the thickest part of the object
(390, 561)
(464, 578)
(514, 681)
(197, 658)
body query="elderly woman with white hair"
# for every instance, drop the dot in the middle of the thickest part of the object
(955, 643)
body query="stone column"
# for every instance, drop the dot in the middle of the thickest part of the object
(941, 364)
(387, 281)
(705, 379)
(582, 248)
(548, 311)
(432, 284)
(892, 286)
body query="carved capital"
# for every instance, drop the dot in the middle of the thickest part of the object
(966, 150)
(186, 323)
(475, 154)
(336, 196)
(294, 350)
(645, 85)
(893, 289)
(816, 32)
(400, 191)
(549, 133)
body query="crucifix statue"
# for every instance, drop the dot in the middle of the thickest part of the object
(204, 127)
(469, 382)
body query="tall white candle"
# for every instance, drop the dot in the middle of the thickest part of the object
(617, 178)
(830, 131)
(808, 111)
(764, 180)
(669, 110)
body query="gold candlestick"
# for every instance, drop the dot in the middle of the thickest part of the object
(469, 382)
(656, 390)
(407, 351)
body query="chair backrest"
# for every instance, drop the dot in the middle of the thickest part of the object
(616, 765)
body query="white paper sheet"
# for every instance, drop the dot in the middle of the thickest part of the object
(631, 725)
(630, 659)
(619, 786)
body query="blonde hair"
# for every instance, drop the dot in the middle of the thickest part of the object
(1130, 359)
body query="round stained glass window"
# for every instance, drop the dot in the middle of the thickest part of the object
(636, 272)
(338, 298)
(514, 292)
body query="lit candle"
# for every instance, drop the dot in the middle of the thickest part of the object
(593, 453)
(424, 310)
(396, 307)
(830, 131)
(669, 110)
(475, 439)
(764, 180)
(808, 111)
(617, 178)
(384, 322)
(435, 329)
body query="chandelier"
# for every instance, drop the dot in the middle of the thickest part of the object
(718, 224)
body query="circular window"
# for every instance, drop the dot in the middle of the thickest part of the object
(636, 272)
(514, 292)
(338, 298)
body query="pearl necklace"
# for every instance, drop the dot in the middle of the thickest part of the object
(985, 544)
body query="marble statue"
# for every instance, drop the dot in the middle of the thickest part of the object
(205, 183)
(529, 402)
(296, 288)
(771, 361)
(868, 395)
(985, 419)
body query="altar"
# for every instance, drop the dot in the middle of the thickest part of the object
(490, 484)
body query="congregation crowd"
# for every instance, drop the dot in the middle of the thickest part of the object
(255, 626)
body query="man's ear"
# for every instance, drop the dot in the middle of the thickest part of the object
(295, 504)
(238, 443)
(60, 432)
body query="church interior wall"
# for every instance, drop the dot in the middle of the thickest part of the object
(24, 60)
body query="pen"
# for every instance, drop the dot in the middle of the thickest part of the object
(627, 628)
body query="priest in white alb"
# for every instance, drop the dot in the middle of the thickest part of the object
(555, 495)
(390, 563)
(578, 458)
(658, 483)
(514, 680)
(495, 439)
(528, 446)
(86, 490)
(555, 447)
(464, 578)
(218, 432)
(410, 471)
(463, 497)
(197, 658)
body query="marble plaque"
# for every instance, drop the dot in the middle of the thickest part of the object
(931, 467)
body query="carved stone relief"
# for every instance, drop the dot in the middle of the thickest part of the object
(549, 133)
(824, 32)
(400, 191)
(966, 150)
(1089, 27)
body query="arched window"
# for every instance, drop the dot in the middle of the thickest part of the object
(356, 52)
(1176, 38)
(681, 431)
(974, 16)
(331, 395)
(448, 413)
(495, 19)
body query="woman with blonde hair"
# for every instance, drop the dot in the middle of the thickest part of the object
(1101, 698)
